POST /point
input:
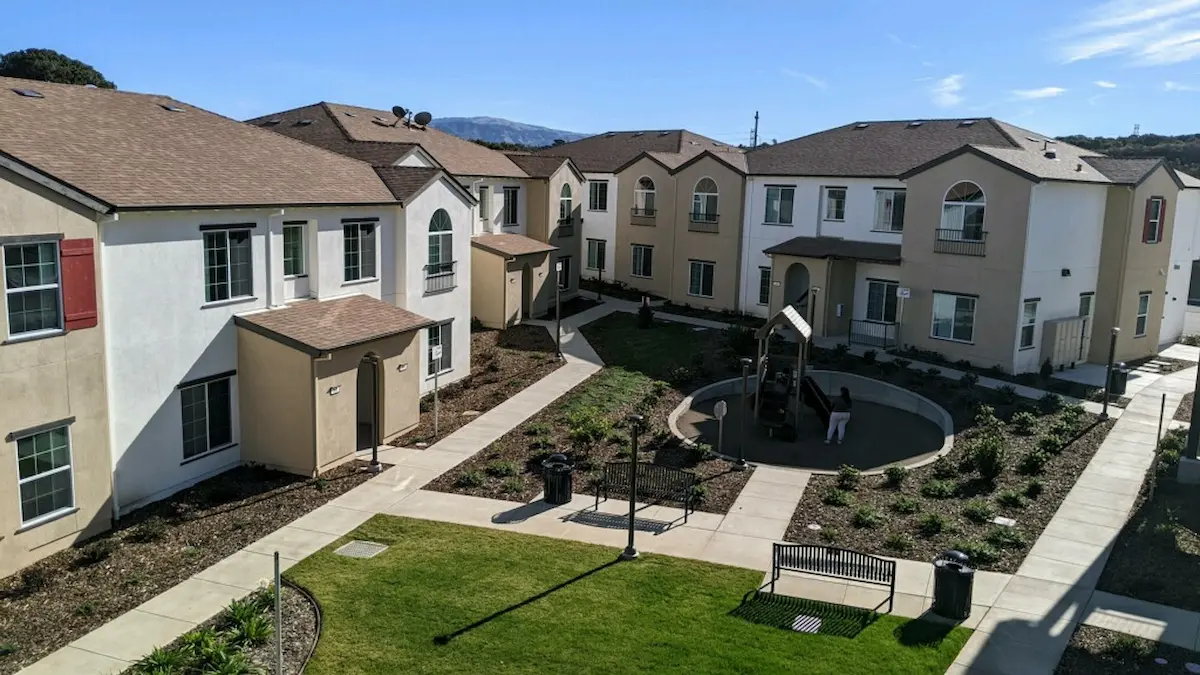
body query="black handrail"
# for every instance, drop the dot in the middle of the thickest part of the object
(644, 213)
(882, 334)
(704, 217)
(440, 277)
(967, 241)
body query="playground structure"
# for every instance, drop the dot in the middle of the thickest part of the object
(782, 388)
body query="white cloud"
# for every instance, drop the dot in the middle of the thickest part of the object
(1176, 86)
(1044, 92)
(1120, 13)
(1105, 84)
(1093, 100)
(897, 40)
(814, 81)
(1147, 32)
(946, 91)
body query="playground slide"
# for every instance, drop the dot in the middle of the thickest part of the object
(816, 399)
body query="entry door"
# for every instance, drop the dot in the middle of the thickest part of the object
(1086, 306)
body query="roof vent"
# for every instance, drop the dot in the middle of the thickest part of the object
(609, 135)
(914, 124)
(347, 113)
(303, 123)
(966, 123)
(861, 125)
(1031, 139)
(1051, 153)
(379, 119)
(1079, 167)
(28, 93)
(272, 122)
(637, 133)
(693, 142)
(664, 133)
(170, 108)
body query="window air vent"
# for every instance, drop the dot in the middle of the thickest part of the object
(303, 123)
(913, 124)
(170, 108)
(861, 125)
(272, 122)
(637, 133)
(28, 93)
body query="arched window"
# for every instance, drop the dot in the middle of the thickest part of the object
(704, 201)
(962, 212)
(643, 197)
(564, 203)
(441, 243)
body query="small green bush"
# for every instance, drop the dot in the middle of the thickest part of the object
(989, 455)
(1005, 537)
(829, 534)
(98, 551)
(944, 468)
(836, 497)
(503, 468)
(979, 511)
(1051, 444)
(899, 542)
(1023, 423)
(151, 529)
(162, 661)
(979, 552)
(697, 452)
(588, 425)
(1007, 394)
(1050, 403)
(1033, 463)
(968, 380)
(699, 493)
(1011, 499)
(895, 475)
(869, 357)
(512, 485)
(1129, 649)
(1034, 488)
(252, 632)
(867, 517)
(931, 525)
(906, 505)
(538, 429)
(902, 364)
(939, 489)
(848, 477)
(645, 317)
(470, 479)
(1062, 428)
(7, 648)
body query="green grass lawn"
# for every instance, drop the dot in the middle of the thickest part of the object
(454, 599)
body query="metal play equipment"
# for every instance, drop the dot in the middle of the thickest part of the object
(781, 387)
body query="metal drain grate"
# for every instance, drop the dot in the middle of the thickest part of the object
(806, 624)
(361, 549)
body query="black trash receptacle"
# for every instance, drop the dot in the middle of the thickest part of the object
(557, 473)
(1120, 380)
(953, 582)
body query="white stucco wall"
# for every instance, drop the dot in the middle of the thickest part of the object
(495, 220)
(1184, 248)
(864, 271)
(1066, 222)
(807, 221)
(600, 225)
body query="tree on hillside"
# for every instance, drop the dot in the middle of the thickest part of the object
(1181, 152)
(507, 147)
(48, 65)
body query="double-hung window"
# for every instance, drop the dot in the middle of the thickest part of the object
(228, 271)
(962, 213)
(207, 416)
(598, 195)
(953, 317)
(835, 203)
(1143, 315)
(643, 197)
(700, 278)
(643, 261)
(889, 210)
(705, 201)
(44, 474)
(596, 253)
(293, 250)
(440, 336)
(485, 206)
(1028, 323)
(510, 206)
(881, 300)
(31, 289)
(764, 285)
(780, 199)
(358, 249)
(1153, 230)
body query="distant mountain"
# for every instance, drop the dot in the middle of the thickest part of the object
(1182, 152)
(496, 130)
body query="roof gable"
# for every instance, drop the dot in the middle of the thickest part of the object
(612, 151)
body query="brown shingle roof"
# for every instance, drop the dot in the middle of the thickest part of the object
(510, 245)
(342, 128)
(608, 152)
(835, 247)
(1123, 170)
(316, 326)
(537, 166)
(127, 150)
(406, 181)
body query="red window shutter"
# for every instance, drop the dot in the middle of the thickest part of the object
(78, 274)
(1146, 224)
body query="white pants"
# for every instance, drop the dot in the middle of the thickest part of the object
(837, 422)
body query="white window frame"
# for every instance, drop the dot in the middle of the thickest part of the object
(643, 196)
(447, 360)
(445, 247)
(10, 293)
(764, 274)
(830, 200)
(597, 252)
(885, 210)
(1141, 322)
(638, 255)
(1028, 324)
(211, 449)
(778, 200)
(564, 275)
(703, 265)
(357, 270)
(226, 232)
(566, 203)
(485, 206)
(707, 204)
(303, 258)
(69, 467)
(594, 190)
(889, 291)
(959, 222)
(933, 317)
(512, 206)
(1156, 222)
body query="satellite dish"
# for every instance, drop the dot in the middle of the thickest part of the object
(423, 118)
(399, 111)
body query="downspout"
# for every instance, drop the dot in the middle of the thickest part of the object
(272, 296)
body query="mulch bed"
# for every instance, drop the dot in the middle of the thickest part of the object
(1097, 651)
(615, 290)
(1184, 411)
(873, 521)
(732, 318)
(502, 364)
(576, 305)
(67, 595)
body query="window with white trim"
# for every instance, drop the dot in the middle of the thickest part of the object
(764, 285)
(565, 206)
(44, 474)
(963, 210)
(1152, 233)
(485, 199)
(643, 197)
(293, 250)
(1028, 323)
(511, 195)
(440, 336)
(643, 261)
(31, 288)
(441, 243)
(564, 273)
(207, 416)
(953, 317)
(1143, 315)
(700, 278)
(359, 251)
(835, 203)
(889, 210)
(228, 271)
(598, 195)
(881, 300)
(596, 250)
(705, 200)
(780, 200)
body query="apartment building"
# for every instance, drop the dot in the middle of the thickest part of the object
(518, 198)
(664, 213)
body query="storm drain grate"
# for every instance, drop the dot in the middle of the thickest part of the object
(361, 549)
(806, 624)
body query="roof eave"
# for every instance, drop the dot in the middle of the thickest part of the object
(271, 205)
(49, 182)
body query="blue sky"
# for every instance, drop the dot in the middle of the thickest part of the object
(1055, 66)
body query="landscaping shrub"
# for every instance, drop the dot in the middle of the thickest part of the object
(1046, 370)
(1007, 394)
(836, 497)
(1033, 463)
(697, 452)
(841, 349)
(512, 485)
(867, 517)
(933, 372)
(1005, 537)
(895, 475)
(902, 364)
(1011, 499)
(7, 648)
(538, 429)
(503, 468)
(979, 552)
(989, 455)
(1129, 649)
(1034, 488)
(470, 479)
(943, 468)
(848, 477)
(969, 380)
(252, 632)
(898, 542)
(1023, 423)
(829, 535)
(963, 365)
(162, 661)
(985, 416)
(1051, 444)
(151, 529)
(1062, 428)
(645, 317)
(1050, 403)
(906, 505)
(979, 511)
(98, 551)
(869, 356)
(939, 489)
(588, 425)
(1074, 411)
(680, 375)
(699, 493)
(741, 340)
(931, 525)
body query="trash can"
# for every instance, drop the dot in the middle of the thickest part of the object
(556, 472)
(1120, 379)
(953, 581)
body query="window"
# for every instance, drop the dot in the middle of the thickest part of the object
(564, 203)
(1143, 313)
(31, 288)
(962, 211)
(779, 205)
(889, 210)
(44, 474)
(207, 417)
(598, 195)
(440, 336)
(1028, 322)
(700, 278)
(1153, 230)
(1085, 304)
(643, 261)
(485, 207)
(881, 300)
(564, 274)
(835, 203)
(953, 317)
(293, 250)
(704, 201)
(643, 197)
(764, 285)
(510, 205)
(441, 243)
(596, 253)
(359, 250)
(227, 267)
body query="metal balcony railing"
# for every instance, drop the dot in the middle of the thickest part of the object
(881, 334)
(702, 222)
(440, 277)
(967, 241)
(644, 212)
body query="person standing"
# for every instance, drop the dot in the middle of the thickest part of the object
(839, 417)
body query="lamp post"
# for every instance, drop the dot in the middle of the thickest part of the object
(741, 461)
(1193, 439)
(635, 424)
(1112, 353)
(558, 268)
(812, 313)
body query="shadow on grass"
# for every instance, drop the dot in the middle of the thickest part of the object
(926, 631)
(447, 637)
(799, 615)
(612, 521)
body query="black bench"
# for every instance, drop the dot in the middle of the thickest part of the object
(839, 563)
(654, 481)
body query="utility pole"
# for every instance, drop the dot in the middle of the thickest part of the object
(754, 144)
(1137, 129)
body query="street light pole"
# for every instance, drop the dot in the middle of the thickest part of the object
(635, 424)
(741, 461)
(1112, 353)
(1193, 439)
(558, 267)
(812, 313)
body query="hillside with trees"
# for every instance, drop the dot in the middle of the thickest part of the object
(1182, 152)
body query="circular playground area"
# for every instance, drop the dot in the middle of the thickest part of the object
(888, 425)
